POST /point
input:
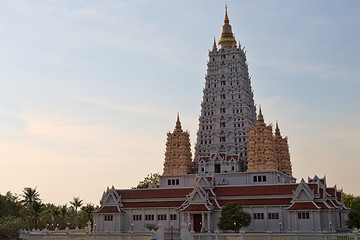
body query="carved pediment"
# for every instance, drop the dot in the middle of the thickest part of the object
(303, 192)
(111, 197)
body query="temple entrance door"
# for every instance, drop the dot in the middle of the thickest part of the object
(197, 222)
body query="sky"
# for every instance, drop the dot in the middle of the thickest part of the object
(89, 89)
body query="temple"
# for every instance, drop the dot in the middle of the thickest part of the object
(238, 158)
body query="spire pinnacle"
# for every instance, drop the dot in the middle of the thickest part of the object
(277, 130)
(226, 19)
(214, 46)
(227, 39)
(260, 119)
(178, 124)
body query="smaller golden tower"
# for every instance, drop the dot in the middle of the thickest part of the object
(261, 149)
(282, 154)
(267, 152)
(178, 152)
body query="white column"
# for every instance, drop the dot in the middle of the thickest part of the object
(189, 221)
(208, 220)
(282, 226)
(289, 221)
(312, 223)
(266, 218)
(252, 222)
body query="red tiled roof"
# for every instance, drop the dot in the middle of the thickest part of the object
(338, 196)
(331, 191)
(303, 206)
(206, 159)
(256, 190)
(154, 193)
(267, 201)
(322, 205)
(108, 209)
(152, 204)
(233, 156)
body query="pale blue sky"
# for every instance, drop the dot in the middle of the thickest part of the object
(89, 89)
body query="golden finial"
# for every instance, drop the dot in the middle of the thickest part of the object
(239, 44)
(226, 20)
(260, 119)
(178, 124)
(277, 130)
(214, 46)
(227, 39)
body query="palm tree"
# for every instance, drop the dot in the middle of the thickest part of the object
(31, 201)
(88, 209)
(77, 202)
(30, 196)
(37, 208)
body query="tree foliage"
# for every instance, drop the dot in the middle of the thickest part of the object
(27, 211)
(150, 179)
(233, 217)
(353, 202)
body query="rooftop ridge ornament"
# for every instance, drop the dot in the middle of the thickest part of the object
(260, 119)
(214, 46)
(277, 130)
(178, 124)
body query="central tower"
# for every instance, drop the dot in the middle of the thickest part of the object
(227, 108)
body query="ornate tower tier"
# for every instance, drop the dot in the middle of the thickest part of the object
(267, 152)
(227, 109)
(281, 150)
(178, 152)
(261, 149)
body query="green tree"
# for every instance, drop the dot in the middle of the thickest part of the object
(353, 202)
(10, 226)
(152, 178)
(31, 202)
(10, 205)
(233, 217)
(88, 210)
(76, 203)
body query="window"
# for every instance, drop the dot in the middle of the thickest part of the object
(258, 216)
(173, 217)
(259, 178)
(222, 110)
(109, 218)
(222, 139)
(222, 124)
(149, 217)
(161, 217)
(303, 215)
(137, 217)
(222, 96)
(174, 181)
(273, 215)
(217, 168)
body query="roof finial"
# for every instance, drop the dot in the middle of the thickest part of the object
(277, 130)
(260, 119)
(226, 20)
(214, 46)
(227, 39)
(178, 124)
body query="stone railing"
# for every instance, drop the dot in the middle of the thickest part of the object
(85, 234)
